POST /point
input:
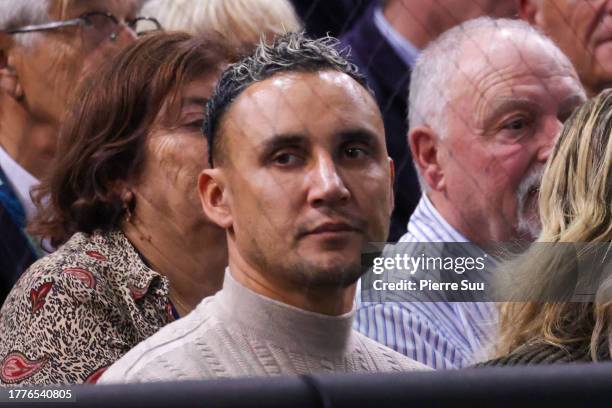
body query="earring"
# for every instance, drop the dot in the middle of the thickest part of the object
(127, 197)
(127, 212)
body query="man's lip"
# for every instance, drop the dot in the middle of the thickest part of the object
(331, 227)
(603, 40)
(603, 33)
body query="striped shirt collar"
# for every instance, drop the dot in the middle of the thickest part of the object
(428, 225)
(402, 47)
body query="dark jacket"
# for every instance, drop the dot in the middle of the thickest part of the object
(389, 78)
(16, 253)
(545, 353)
(322, 17)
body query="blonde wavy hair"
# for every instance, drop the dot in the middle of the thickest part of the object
(575, 204)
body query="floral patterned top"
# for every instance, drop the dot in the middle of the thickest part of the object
(76, 311)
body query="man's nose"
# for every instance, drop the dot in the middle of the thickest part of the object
(326, 186)
(549, 137)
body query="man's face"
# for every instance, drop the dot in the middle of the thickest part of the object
(49, 69)
(503, 118)
(308, 177)
(583, 30)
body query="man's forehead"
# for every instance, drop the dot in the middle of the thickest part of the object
(307, 104)
(299, 94)
(307, 84)
(511, 62)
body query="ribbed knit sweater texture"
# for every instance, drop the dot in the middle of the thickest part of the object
(239, 333)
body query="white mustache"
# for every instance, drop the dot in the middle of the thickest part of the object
(526, 224)
(530, 181)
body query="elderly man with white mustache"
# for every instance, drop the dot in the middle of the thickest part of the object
(484, 116)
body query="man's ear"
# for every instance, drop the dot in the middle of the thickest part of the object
(9, 82)
(423, 142)
(392, 179)
(214, 197)
(529, 10)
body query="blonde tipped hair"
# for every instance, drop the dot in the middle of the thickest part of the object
(575, 207)
(240, 22)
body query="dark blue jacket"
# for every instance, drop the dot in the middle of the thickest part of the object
(389, 77)
(16, 252)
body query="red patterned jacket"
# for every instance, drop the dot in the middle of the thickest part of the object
(76, 311)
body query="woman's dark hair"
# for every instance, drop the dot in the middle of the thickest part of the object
(102, 139)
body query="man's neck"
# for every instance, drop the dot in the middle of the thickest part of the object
(193, 260)
(30, 143)
(410, 22)
(476, 229)
(326, 301)
(452, 216)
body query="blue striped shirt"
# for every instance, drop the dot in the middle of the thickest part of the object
(441, 335)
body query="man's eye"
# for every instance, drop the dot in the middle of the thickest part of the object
(563, 117)
(285, 159)
(355, 152)
(516, 124)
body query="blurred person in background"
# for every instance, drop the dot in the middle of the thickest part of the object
(297, 151)
(385, 43)
(121, 199)
(488, 99)
(583, 30)
(575, 207)
(45, 48)
(240, 22)
(333, 18)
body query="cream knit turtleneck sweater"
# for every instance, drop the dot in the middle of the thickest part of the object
(238, 333)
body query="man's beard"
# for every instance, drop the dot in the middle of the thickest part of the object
(307, 274)
(315, 276)
(528, 219)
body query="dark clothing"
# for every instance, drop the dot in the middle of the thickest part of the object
(545, 353)
(321, 17)
(16, 252)
(389, 78)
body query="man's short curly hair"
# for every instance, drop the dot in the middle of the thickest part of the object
(292, 52)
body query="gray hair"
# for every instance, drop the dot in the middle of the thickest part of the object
(238, 21)
(431, 82)
(18, 13)
(292, 52)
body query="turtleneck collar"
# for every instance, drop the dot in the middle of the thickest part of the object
(281, 323)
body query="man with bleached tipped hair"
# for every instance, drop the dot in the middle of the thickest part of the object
(45, 46)
(487, 101)
(297, 151)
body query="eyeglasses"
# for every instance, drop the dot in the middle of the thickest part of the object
(96, 26)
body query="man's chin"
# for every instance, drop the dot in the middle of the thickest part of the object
(332, 271)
